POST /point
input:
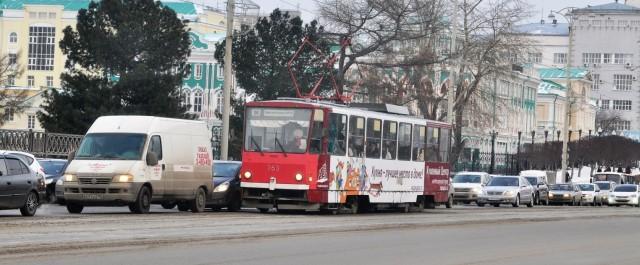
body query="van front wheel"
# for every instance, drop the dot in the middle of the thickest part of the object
(143, 202)
(198, 204)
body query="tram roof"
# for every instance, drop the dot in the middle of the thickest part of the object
(349, 109)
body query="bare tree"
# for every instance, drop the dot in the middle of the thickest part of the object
(11, 100)
(488, 47)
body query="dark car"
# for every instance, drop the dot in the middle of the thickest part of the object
(565, 194)
(226, 183)
(542, 189)
(53, 171)
(20, 187)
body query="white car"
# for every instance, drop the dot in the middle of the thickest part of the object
(467, 186)
(29, 159)
(605, 188)
(591, 194)
(507, 189)
(625, 194)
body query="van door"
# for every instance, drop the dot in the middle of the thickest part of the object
(157, 174)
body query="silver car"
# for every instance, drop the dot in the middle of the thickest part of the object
(508, 190)
(606, 187)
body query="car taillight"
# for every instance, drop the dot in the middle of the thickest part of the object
(41, 184)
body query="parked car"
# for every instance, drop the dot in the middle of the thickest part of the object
(226, 186)
(20, 187)
(538, 180)
(606, 187)
(591, 194)
(29, 159)
(507, 189)
(625, 194)
(53, 170)
(467, 186)
(565, 194)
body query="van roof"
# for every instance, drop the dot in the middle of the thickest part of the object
(146, 125)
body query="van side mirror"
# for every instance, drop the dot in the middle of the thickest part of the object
(152, 159)
(71, 156)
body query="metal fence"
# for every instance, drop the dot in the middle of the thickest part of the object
(40, 144)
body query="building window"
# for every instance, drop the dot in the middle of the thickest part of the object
(596, 22)
(13, 59)
(604, 104)
(596, 82)
(622, 104)
(31, 81)
(635, 23)
(197, 71)
(609, 23)
(11, 80)
(535, 57)
(219, 102)
(622, 82)
(8, 114)
(622, 58)
(606, 58)
(42, 15)
(31, 122)
(52, 15)
(197, 101)
(33, 15)
(13, 37)
(41, 48)
(623, 23)
(621, 125)
(49, 81)
(220, 73)
(591, 58)
(559, 58)
(186, 99)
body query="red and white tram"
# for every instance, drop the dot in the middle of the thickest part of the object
(304, 155)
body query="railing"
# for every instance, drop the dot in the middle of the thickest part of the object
(40, 144)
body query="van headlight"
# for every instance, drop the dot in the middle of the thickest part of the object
(222, 187)
(123, 178)
(476, 190)
(70, 177)
(299, 177)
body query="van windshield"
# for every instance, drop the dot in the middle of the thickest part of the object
(111, 146)
(279, 130)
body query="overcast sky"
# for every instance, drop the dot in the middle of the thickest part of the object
(309, 10)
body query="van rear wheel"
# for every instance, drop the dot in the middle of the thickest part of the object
(143, 201)
(199, 202)
(74, 208)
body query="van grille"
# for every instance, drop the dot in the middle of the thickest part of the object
(93, 190)
(96, 181)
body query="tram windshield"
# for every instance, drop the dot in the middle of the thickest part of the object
(277, 130)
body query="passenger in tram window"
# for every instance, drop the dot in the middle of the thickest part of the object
(420, 156)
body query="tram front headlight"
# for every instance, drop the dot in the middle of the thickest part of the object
(299, 177)
(247, 175)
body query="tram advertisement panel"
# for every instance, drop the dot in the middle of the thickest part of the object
(437, 178)
(383, 181)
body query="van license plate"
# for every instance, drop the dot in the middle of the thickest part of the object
(272, 183)
(92, 196)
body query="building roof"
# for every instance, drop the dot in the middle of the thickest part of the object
(610, 7)
(183, 8)
(556, 73)
(549, 29)
(550, 87)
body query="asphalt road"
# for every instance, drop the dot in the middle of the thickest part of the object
(463, 235)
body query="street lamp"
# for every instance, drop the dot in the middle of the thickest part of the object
(546, 135)
(565, 127)
(493, 151)
(518, 155)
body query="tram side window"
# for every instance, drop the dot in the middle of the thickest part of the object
(404, 142)
(389, 140)
(356, 136)
(374, 138)
(315, 146)
(445, 145)
(418, 143)
(433, 152)
(337, 134)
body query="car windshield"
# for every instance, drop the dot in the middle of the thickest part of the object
(466, 179)
(626, 188)
(112, 146)
(532, 180)
(511, 182)
(561, 187)
(277, 130)
(225, 170)
(604, 186)
(586, 187)
(608, 177)
(53, 167)
(25, 158)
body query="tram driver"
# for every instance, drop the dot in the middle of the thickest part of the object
(297, 144)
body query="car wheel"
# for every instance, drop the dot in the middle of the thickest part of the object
(168, 205)
(143, 201)
(449, 203)
(517, 203)
(530, 202)
(263, 210)
(31, 205)
(199, 202)
(74, 208)
(496, 205)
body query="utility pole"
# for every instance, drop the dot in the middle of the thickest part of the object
(452, 75)
(567, 117)
(226, 92)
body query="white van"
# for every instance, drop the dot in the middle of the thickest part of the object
(139, 160)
